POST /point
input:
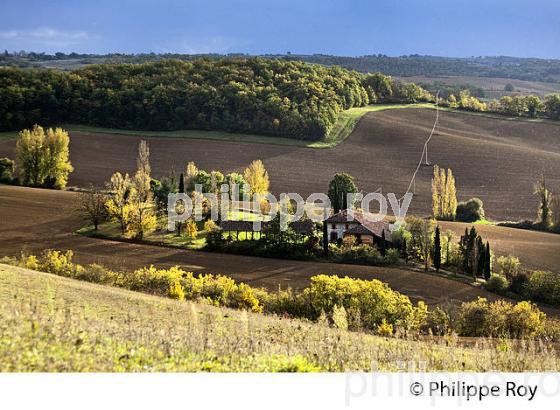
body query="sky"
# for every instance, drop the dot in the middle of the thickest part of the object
(453, 28)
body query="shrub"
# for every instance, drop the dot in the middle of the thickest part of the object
(176, 291)
(508, 266)
(7, 168)
(526, 321)
(58, 263)
(373, 299)
(339, 318)
(470, 211)
(384, 329)
(497, 284)
(544, 287)
(500, 319)
(392, 256)
(437, 322)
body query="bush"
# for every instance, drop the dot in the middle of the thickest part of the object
(384, 329)
(7, 169)
(470, 211)
(500, 319)
(437, 322)
(508, 266)
(497, 284)
(176, 291)
(339, 317)
(374, 300)
(526, 321)
(544, 287)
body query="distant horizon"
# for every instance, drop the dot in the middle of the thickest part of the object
(459, 29)
(288, 53)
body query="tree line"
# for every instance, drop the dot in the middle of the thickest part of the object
(251, 95)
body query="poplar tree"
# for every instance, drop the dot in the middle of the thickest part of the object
(257, 177)
(143, 219)
(118, 205)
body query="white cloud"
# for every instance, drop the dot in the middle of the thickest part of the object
(47, 36)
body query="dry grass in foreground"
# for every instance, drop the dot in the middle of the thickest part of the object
(55, 324)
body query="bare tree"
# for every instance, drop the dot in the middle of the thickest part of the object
(91, 205)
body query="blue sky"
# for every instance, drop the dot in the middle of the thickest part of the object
(528, 28)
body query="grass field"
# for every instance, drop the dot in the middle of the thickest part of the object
(57, 324)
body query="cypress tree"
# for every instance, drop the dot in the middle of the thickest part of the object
(325, 235)
(480, 256)
(437, 250)
(181, 184)
(488, 262)
(383, 243)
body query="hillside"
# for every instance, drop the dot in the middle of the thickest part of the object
(498, 160)
(56, 324)
(531, 69)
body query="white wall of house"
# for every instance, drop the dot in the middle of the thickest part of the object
(339, 229)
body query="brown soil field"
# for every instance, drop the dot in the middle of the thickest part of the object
(35, 219)
(493, 86)
(494, 159)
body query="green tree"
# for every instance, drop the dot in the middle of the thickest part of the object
(487, 262)
(437, 250)
(340, 186)
(7, 169)
(552, 106)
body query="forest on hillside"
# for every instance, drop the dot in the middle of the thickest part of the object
(529, 69)
(251, 95)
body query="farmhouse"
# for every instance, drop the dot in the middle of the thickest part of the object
(356, 224)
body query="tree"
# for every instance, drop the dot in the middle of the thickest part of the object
(509, 88)
(534, 105)
(142, 217)
(340, 186)
(7, 168)
(181, 188)
(552, 106)
(257, 177)
(487, 262)
(470, 211)
(383, 247)
(444, 194)
(426, 238)
(91, 205)
(544, 195)
(437, 250)
(191, 172)
(43, 158)
(118, 205)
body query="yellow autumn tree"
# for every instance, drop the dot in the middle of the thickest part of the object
(142, 216)
(118, 205)
(257, 177)
(444, 194)
(190, 175)
(43, 158)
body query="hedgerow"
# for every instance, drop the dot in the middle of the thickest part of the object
(355, 304)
